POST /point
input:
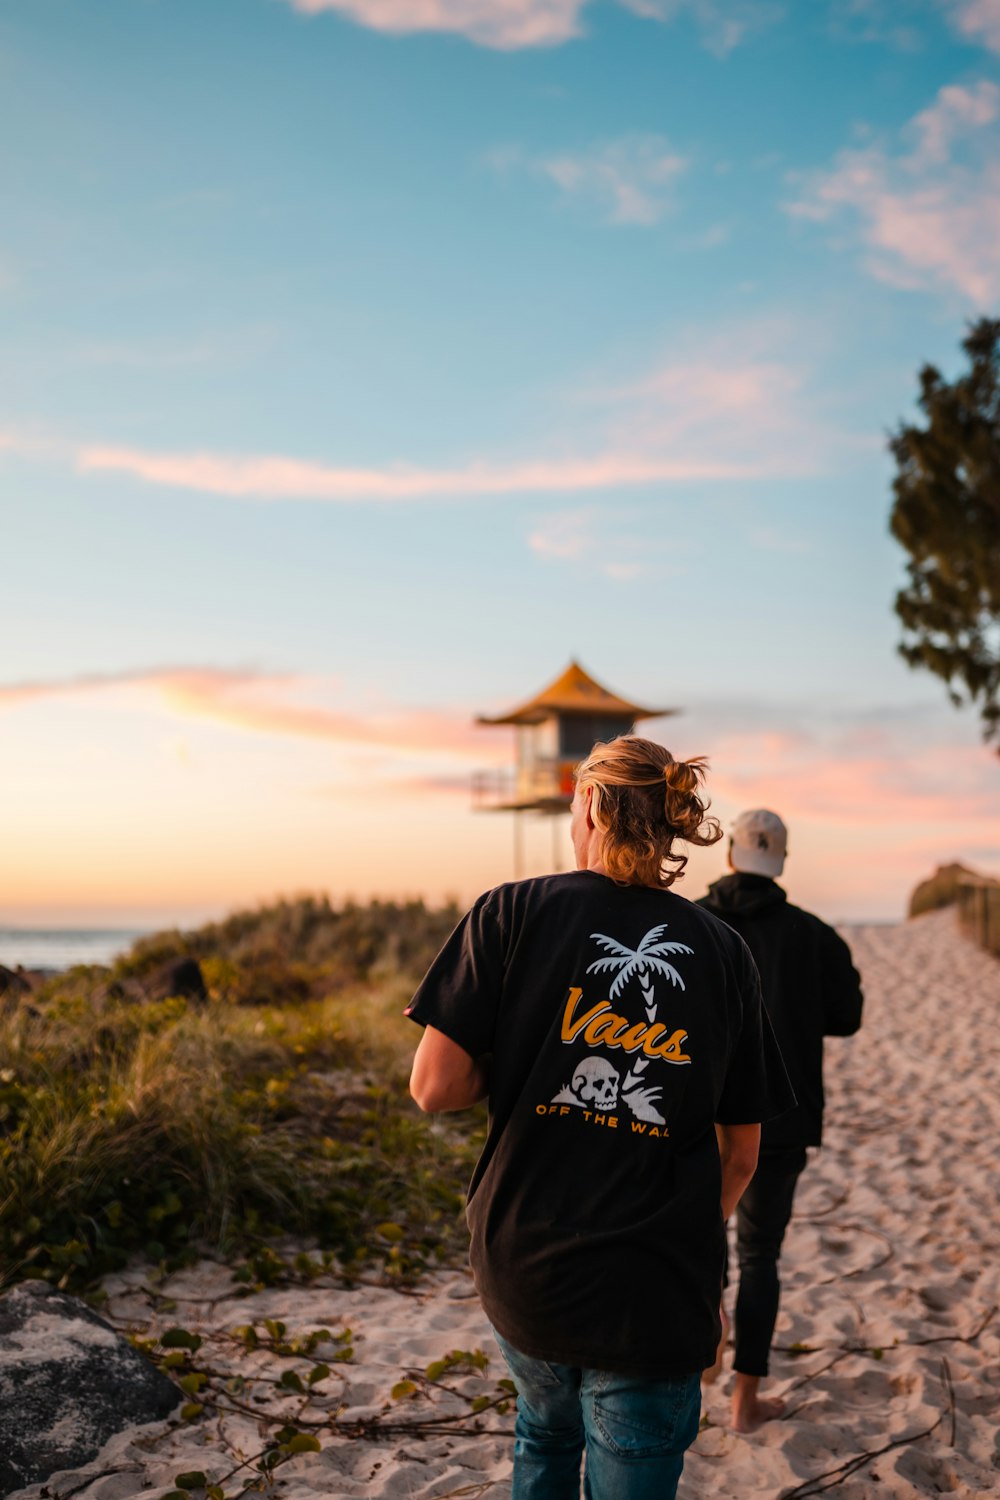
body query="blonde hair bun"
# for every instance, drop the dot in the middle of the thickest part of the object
(642, 801)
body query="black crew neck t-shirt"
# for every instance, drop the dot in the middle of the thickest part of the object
(621, 1024)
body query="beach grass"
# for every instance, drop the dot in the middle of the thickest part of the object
(275, 1109)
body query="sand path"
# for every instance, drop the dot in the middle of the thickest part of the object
(892, 1265)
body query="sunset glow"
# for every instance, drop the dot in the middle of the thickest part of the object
(428, 346)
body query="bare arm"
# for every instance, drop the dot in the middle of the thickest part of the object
(738, 1148)
(444, 1076)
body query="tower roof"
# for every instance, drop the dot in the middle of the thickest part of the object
(574, 692)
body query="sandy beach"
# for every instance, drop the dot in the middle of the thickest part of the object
(888, 1341)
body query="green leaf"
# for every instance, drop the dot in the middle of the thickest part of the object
(190, 1410)
(436, 1369)
(191, 1385)
(392, 1232)
(507, 1385)
(247, 1333)
(402, 1389)
(304, 1442)
(275, 1328)
(215, 1492)
(174, 1360)
(194, 1480)
(318, 1373)
(291, 1381)
(344, 1356)
(179, 1338)
(480, 1403)
(878, 1354)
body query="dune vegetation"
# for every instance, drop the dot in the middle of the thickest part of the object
(267, 1122)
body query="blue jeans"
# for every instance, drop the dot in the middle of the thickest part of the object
(633, 1431)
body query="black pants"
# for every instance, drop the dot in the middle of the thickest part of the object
(761, 1220)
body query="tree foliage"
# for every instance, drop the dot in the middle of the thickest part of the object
(947, 515)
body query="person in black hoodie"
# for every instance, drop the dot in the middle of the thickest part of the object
(811, 990)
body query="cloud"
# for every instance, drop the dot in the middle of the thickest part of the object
(509, 25)
(733, 409)
(957, 111)
(267, 704)
(272, 477)
(747, 398)
(875, 769)
(724, 24)
(879, 21)
(503, 24)
(628, 180)
(598, 539)
(928, 216)
(978, 20)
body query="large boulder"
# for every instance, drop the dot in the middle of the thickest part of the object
(68, 1382)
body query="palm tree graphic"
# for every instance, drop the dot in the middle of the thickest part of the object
(644, 963)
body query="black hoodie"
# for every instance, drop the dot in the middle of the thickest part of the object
(811, 990)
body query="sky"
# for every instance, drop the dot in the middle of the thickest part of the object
(364, 361)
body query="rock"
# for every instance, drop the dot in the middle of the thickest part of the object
(68, 1382)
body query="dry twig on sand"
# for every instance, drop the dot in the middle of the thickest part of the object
(830, 1478)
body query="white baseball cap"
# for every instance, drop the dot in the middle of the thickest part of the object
(759, 843)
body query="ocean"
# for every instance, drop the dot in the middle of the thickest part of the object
(61, 947)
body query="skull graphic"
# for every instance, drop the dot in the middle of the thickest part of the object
(595, 1083)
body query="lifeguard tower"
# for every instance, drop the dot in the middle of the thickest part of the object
(555, 729)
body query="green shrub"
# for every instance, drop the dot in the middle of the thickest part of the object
(279, 1108)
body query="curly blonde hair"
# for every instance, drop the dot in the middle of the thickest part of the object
(642, 801)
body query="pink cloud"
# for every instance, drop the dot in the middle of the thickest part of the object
(601, 540)
(867, 776)
(502, 24)
(979, 20)
(747, 398)
(735, 411)
(956, 111)
(508, 25)
(929, 216)
(724, 24)
(275, 478)
(262, 704)
(629, 179)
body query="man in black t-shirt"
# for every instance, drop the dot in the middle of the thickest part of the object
(612, 1025)
(811, 990)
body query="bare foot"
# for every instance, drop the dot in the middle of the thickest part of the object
(711, 1375)
(748, 1416)
(751, 1411)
